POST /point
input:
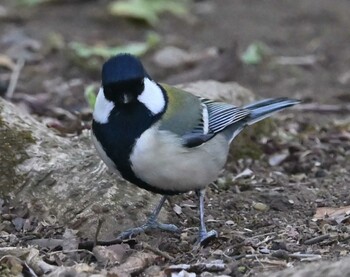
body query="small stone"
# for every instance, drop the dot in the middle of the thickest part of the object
(230, 222)
(6, 226)
(218, 252)
(18, 223)
(8, 216)
(320, 173)
(260, 206)
(177, 209)
(264, 250)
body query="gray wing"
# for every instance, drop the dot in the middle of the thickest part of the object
(216, 116)
(222, 115)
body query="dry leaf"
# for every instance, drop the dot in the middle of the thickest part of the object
(134, 264)
(278, 158)
(244, 174)
(177, 209)
(330, 213)
(113, 254)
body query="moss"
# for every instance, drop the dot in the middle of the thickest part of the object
(13, 143)
(246, 145)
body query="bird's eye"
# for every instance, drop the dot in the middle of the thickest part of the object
(108, 92)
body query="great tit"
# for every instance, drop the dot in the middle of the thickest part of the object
(164, 139)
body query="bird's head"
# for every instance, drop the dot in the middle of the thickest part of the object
(125, 83)
(123, 79)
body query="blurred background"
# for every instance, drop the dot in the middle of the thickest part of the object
(51, 51)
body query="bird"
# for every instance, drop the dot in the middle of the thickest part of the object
(164, 139)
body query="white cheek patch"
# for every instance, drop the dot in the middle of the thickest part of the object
(152, 97)
(103, 108)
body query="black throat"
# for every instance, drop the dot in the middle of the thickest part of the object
(118, 137)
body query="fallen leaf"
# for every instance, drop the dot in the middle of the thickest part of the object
(329, 213)
(90, 95)
(255, 53)
(177, 209)
(135, 48)
(244, 174)
(134, 264)
(146, 10)
(278, 158)
(184, 273)
(13, 265)
(172, 57)
(111, 255)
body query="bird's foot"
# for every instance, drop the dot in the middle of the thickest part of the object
(148, 226)
(205, 237)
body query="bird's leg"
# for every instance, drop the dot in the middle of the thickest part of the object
(151, 223)
(204, 235)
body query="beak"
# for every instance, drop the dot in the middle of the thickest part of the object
(127, 98)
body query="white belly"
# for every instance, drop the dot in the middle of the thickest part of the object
(160, 160)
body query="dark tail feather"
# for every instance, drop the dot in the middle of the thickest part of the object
(265, 108)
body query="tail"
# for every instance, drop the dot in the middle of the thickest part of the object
(265, 108)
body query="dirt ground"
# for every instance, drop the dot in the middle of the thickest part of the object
(268, 215)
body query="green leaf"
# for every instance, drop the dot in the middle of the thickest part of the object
(136, 48)
(255, 53)
(90, 95)
(31, 2)
(148, 10)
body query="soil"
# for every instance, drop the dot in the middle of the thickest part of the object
(273, 207)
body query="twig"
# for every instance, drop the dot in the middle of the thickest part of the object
(281, 254)
(14, 77)
(316, 239)
(305, 60)
(212, 266)
(305, 257)
(265, 240)
(70, 251)
(157, 251)
(263, 235)
(251, 256)
(88, 245)
(322, 108)
(257, 259)
(98, 229)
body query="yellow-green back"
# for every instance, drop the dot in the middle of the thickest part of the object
(184, 111)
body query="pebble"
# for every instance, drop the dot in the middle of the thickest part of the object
(260, 206)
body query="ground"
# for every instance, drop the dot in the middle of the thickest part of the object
(303, 163)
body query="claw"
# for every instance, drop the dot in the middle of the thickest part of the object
(150, 224)
(206, 237)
